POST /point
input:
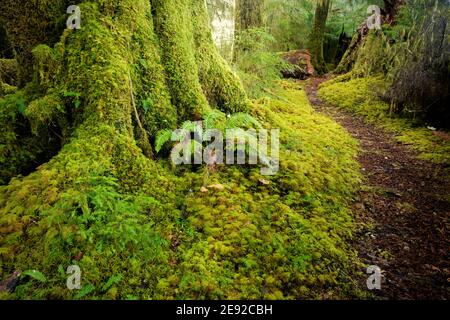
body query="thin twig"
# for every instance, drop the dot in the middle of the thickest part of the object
(134, 105)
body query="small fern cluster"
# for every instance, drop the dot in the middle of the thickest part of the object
(214, 120)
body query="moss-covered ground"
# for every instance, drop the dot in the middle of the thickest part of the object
(153, 233)
(362, 96)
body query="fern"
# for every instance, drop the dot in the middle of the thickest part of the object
(162, 138)
(214, 120)
(242, 120)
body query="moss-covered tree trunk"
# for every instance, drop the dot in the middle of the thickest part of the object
(103, 91)
(350, 56)
(138, 66)
(317, 36)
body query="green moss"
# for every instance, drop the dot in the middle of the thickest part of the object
(8, 70)
(174, 26)
(138, 227)
(30, 23)
(8, 76)
(360, 96)
(44, 111)
(20, 149)
(177, 242)
(282, 241)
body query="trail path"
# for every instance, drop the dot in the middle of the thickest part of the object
(403, 226)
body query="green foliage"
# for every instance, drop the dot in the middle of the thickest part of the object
(289, 22)
(256, 65)
(136, 227)
(214, 120)
(162, 138)
(19, 148)
(420, 74)
(296, 225)
(85, 291)
(412, 55)
(35, 275)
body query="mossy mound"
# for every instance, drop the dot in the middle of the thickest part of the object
(153, 234)
(361, 95)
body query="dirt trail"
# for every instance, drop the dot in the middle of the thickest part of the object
(402, 223)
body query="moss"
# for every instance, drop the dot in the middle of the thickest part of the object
(174, 26)
(360, 96)
(46, 61)
(177, 242)
(8, 76)
(29, 23)
(8, 71)
(138, 227)
(44, 111)
(297, 225)
(375, 56)
(149, 78)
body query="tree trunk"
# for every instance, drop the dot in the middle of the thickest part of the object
(391, 9)
(388, 16)
(222, 14)
(135, 67)
(317, 36)
(249, 14)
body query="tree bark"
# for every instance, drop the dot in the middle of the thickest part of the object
(317, 36)
(249, 14)
(135, 67)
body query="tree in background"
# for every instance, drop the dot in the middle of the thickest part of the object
(222, 15)
(317, 36)
(249, 14)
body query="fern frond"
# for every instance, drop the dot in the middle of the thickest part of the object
(213, 120)
(162, 138)
(242, 120)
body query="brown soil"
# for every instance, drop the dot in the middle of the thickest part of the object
(402, 220)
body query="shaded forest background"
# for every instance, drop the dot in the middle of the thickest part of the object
(410, 51)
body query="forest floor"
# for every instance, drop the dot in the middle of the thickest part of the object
(401, 216)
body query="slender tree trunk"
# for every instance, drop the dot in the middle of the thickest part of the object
(317, 36)
(249, 14)
(222, 14)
